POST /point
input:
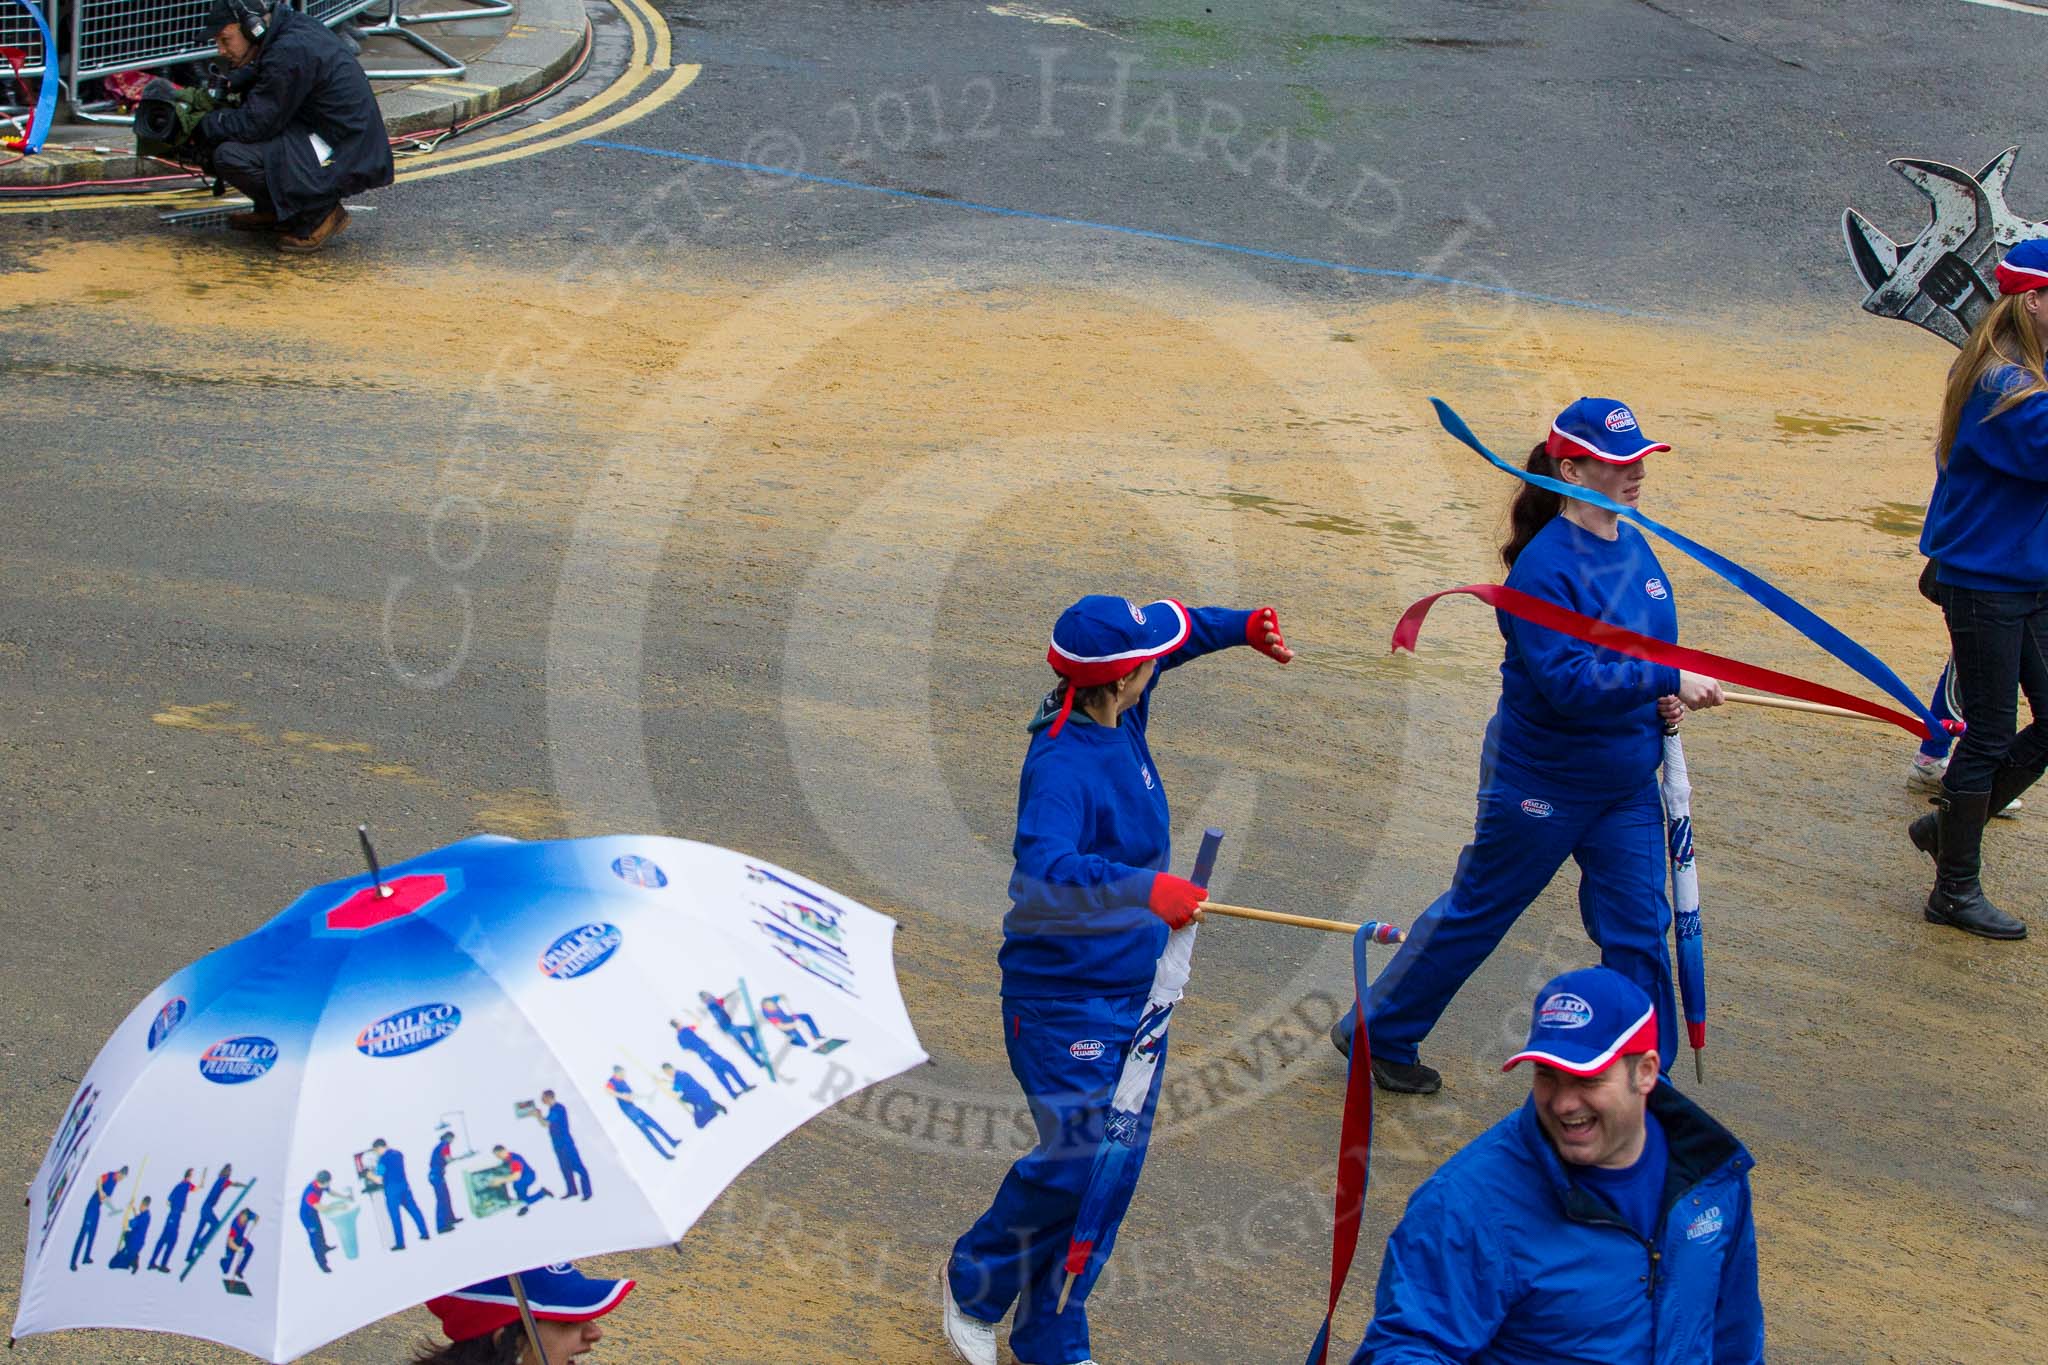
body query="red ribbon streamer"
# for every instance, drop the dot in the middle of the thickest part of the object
(16, 59)
(1567, 622)
(1354, 1164)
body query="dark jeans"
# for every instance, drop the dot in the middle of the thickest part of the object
(2000, 641)
(241, 165)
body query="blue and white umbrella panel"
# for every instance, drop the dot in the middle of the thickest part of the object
(686, 1006)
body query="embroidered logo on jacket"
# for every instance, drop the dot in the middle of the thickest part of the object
(1085, 1050)
(1706, 1225)
(1655, 587)
(1535, 809)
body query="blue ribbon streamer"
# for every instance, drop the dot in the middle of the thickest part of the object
(46, 97)
(1773, 598)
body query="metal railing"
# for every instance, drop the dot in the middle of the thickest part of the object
(18, 31)
(107, 36)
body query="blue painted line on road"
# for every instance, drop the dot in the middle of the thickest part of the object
(1262, 253)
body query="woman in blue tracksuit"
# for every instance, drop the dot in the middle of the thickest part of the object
(1091, 905)
(1987, 533)
(1570, 764)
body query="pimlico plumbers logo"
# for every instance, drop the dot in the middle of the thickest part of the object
(167, 1020)
(236, 1061)
(580, 951)
(408, 1031)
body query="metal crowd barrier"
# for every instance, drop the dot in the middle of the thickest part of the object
(18, 31)
(103, 37)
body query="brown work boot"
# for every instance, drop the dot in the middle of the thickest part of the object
(335, 221)
(255, 220)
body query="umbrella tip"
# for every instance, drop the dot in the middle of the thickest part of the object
(370, 857)
(1699, 1066)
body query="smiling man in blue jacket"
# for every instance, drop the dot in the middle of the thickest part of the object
(1607, 1219)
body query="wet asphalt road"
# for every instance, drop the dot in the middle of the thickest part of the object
(482, 523)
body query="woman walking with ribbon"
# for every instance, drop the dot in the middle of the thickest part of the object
(1091, 908)
(1571, 755)
(1987, 533)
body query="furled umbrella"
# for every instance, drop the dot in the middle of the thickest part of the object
(410, 1082)
(1685, 900)
(1125, 1132)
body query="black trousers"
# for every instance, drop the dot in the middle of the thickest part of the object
(2000, 641)
(241, 165)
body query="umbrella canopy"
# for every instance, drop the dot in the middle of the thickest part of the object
(506, 1054)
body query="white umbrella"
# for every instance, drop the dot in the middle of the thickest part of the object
(400, 1036)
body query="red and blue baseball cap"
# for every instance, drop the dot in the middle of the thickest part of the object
(556, 1293)
(1100, 638)
(2025, 267)
(1585, 1019)
(1602, 428)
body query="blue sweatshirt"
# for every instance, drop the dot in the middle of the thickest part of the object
(1092, 828)
(1570, 713)
(1987, 522)
(1502, 1259)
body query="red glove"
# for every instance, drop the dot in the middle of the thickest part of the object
(1262, 632)
(1175, 899)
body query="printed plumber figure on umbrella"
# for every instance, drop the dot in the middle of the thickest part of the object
(174, 1213)
(389, 1166)
(238, 1244)
(702, 1107)
(209, 1218)
(784, 1018)
(518, 1179)
(437, 1176)
(746, 1035)
(622, 1091)
(722, 1071)
(128, 1255)
(309, 1217)
(555, 1115)
(89, 1226)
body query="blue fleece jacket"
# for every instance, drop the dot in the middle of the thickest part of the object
(1092, 828)
(1501, 1259)
(1987, 522)
(1570, 713)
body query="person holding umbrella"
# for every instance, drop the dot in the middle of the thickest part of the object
(1091, 906)
(1984, 533)
(1571, 756)
(483, 1326)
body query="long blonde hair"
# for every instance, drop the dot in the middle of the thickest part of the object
(2006, 336)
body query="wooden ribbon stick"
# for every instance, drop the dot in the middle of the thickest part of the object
(1787, 704)
(1335, 926)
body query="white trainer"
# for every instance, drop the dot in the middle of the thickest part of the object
(1925, 776)
(972, 1340)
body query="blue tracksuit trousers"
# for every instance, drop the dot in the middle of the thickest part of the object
(1522, 838)
(1067, 1055)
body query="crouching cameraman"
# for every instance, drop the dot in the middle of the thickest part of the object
(307, 132)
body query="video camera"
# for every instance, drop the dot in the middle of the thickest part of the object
(167, 117)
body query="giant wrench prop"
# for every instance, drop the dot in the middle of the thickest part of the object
(1943, 279)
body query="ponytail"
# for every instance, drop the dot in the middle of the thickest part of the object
(1532, 508)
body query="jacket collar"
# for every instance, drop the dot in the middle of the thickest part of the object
(1699, 1148)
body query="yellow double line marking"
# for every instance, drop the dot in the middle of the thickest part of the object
(651, 57)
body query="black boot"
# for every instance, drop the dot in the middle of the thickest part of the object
(2008, 784)
(1958, 899)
